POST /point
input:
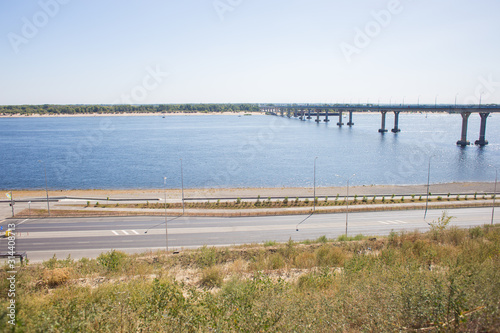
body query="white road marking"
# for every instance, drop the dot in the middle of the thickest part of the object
(126, 233)
(383, 222)
(401, 221)
(135, 232)
(114, 232)
(22, 222)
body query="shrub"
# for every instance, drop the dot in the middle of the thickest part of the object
(403, 198)
(112, 260)
(305, 260)
(326, 199)
(365, 199)
(88, 203)
(383, 198)
(57, 276)
(441, 223)
(285, 201)
(269, 243)
(419, 198)
(440, 198)
(211, 277)
(238, 201)
(322, 239)
(257, 203)
(306, 201)
(331, 256)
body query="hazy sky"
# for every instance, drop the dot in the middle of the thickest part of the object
(218, 51)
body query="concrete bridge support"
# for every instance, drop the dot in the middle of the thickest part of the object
(350, 123)
(317, 117)
(463, 140)
(326, 116)
(302, 115)
(482, 131)
(396, 122)
(281, 112)
(308, 113)
(382, 127)
(340, 123)
(295, 113)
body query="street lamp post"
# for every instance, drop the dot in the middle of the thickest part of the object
(494, 197)
(347, 201)
(46, 188)
(428, 184)
(166, 228)
(314, 181)
(494, 194)
(182, 187)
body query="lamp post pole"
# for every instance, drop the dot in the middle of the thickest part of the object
(182, 187)
(46, 187)
(314, 181)
(494, 197)
(428, 184)
(347, 201)
(166, 228)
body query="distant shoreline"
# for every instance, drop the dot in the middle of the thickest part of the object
(128, 114)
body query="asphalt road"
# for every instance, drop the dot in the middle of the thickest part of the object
(88, 237)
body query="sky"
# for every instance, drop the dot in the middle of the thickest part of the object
(242, 51)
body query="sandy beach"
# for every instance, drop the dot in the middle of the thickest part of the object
(292, 192)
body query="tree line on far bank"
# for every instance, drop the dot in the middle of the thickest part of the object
(52, 109)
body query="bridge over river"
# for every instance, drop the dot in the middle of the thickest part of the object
(309, 111)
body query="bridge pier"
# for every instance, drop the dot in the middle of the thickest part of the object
(382, 127)
(281, 112)
(308, 113)
(295, 113)
(302, 115)
(350, 123)
(396, 122)
(463, 140)
(326, 116)
(340, 123)
(317, 116)
(482, 131)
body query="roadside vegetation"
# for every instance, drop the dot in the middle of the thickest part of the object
(444, 280)
(292, 202)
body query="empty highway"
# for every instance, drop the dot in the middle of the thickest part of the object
(87, 237)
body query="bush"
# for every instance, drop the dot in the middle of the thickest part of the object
(328, 255)
(322, 239)
(57, 276)
(285, 201)
(112, 260)
(211, 277)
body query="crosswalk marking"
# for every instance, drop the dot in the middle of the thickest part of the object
(124, 232)
(392, 222)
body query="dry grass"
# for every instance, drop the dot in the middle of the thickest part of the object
(444, 281)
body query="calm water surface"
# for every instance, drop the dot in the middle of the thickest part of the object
(230, 151)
